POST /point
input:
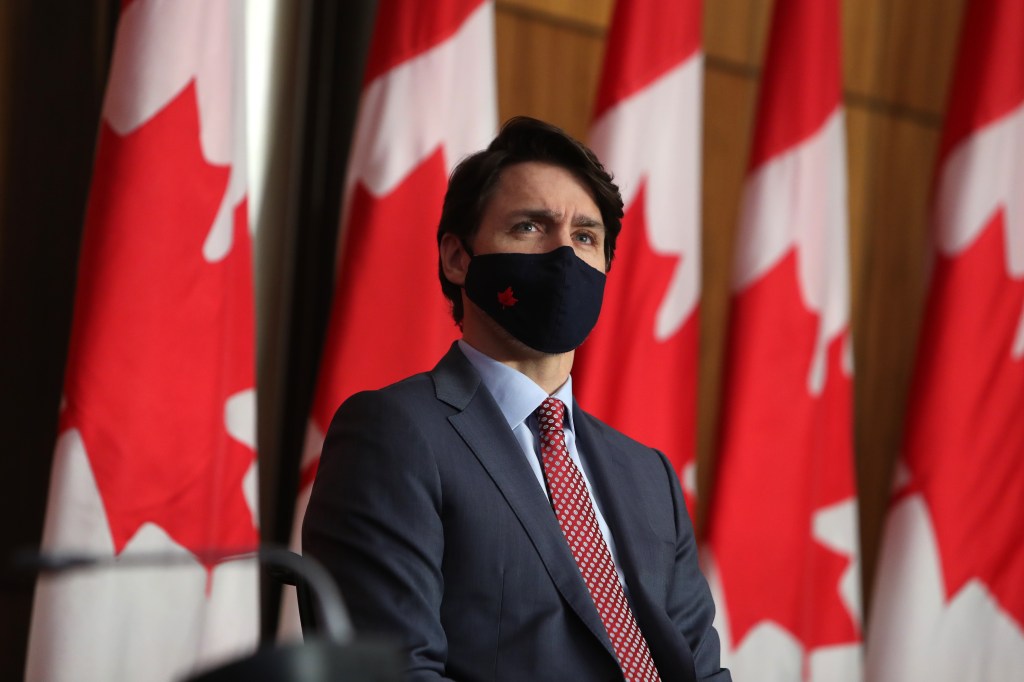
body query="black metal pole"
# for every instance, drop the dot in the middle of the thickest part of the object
(53, 69)
(303, 207)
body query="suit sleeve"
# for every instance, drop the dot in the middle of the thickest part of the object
(690, 605)
(374, 521)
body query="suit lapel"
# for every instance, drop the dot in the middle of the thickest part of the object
(482, 426)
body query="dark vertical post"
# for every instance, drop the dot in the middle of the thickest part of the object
(53, 65)
(316, 108)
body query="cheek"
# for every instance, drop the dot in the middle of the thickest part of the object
(593, 258)
(486, 242)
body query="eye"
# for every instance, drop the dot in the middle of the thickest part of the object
(525, 226)
(586, 237)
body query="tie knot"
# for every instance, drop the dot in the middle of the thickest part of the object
(551, 414)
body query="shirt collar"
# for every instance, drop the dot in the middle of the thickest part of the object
(517, 395)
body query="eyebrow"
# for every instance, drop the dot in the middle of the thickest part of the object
(547, 214)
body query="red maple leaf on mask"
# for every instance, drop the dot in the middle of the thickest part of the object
(162, 338)
(507, 299)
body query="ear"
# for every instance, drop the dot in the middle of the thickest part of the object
(454, 259)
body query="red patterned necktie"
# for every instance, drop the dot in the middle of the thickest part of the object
(575, 512)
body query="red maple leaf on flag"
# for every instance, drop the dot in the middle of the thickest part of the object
(387, 285)
(506, 298)
(777, 480)
(965, 440)
(162, 338)
(613, 368)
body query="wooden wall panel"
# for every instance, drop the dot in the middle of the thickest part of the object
(916, 53)
(547, 68)
(858, 169)
(890, 280)
(592, 13)
(862, 35)
(735, 31)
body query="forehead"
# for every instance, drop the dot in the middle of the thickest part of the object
(536, 184)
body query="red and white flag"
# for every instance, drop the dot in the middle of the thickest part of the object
(429, 100)
(638, 369)
(782, 545)
(155, 457)
(949, 596)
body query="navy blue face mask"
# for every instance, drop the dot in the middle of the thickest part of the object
(549, 301)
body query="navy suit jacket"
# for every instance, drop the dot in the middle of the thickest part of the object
(429, 517)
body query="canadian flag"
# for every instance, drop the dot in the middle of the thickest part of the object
(949, 595)
(155, 459)
(429, 100)
(638, 369)
(782, 542)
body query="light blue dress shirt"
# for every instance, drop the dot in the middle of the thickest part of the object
(518, 398)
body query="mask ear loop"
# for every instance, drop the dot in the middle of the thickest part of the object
(469, 252)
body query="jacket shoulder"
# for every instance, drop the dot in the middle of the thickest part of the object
(615, 437)
(449, 386)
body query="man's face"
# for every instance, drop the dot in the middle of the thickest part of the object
(537, 207)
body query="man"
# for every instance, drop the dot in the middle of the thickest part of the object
(474, 511)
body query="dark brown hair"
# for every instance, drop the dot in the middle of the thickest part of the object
(521, 139)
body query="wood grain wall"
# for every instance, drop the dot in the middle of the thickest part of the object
(897, 59)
